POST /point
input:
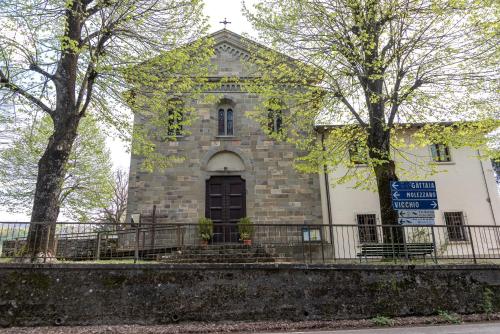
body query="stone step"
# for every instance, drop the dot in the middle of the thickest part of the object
(219, 260)
(219, 252)
(216, 256)
(222, 247)
(220, 255)
(227, 253)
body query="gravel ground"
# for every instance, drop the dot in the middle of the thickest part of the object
(248, 327)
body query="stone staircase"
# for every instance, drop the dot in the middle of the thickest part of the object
(226, 253)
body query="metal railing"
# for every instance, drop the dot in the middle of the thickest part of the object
(284, 242)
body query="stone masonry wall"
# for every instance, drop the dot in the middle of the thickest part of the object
(159, 294)
(276, 193)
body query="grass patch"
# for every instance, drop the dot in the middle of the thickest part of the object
(382, 321)
(450, 318)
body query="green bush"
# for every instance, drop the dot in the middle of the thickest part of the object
(382, 321)
(488, 302)
(245, 228)
(205, 228)
(451, 318)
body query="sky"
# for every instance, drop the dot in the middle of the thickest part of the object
(217, 11)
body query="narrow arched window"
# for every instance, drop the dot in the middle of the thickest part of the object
(275, 109)
(275, 120)
(225, 119)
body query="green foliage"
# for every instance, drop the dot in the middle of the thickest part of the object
(163, 92)
(488, 302)
(474, 134)
(88, 182)
(245, 228)
(133, 54)
(382, 321)
(375, 67)
(451, 318)
(419, 235)
(205, 228)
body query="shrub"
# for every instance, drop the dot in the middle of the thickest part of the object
(245, 228)
(451, 318)
(382, 321)
(205, 228)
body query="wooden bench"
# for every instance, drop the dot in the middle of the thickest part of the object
(408, 250)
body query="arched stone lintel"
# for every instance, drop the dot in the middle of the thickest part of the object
(216, 150)
(226, 100)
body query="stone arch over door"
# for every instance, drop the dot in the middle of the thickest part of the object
(235, 161)
(225, 161)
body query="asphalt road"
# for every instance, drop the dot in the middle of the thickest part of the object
(478, 328)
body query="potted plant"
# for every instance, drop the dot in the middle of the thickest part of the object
(205, 230)
(245, 229)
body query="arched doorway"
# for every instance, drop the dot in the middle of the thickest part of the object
(225, 205)
(225, 199)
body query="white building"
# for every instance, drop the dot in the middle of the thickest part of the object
(467, 195)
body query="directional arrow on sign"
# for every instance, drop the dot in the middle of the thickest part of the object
(420, 204)
(414, 195)
(413, 185)
(416, 221)
(416, 214)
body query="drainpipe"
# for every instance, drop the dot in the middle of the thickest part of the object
(487, 189)
(327, 189)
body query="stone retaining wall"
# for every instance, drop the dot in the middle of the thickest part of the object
(158, 294)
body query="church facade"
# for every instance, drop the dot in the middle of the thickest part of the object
(231, 168)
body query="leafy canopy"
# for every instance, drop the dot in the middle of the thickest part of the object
(88, 183)
(123, 49)
(373, 67)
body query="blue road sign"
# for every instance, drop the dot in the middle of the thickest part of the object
(426, 214)
(411, 194)
(416, 221)
(413, 185)
(414, 195)
(415, 205)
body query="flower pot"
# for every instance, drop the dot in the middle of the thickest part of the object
(247, 242)
(204, 243)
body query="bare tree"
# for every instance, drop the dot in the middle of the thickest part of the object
(114, 213)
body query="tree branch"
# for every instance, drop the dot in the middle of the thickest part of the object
(4, 81)
(351, 109)
(35, 67)
(418, 83)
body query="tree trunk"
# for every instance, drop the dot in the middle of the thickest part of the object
(385, 172)
(41, 243)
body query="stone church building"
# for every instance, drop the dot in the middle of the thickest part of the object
(232, 169)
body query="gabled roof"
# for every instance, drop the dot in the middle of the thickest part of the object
(227, 40)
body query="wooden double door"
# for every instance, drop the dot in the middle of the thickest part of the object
(225, 205)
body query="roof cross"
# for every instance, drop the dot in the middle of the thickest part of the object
(225, 22)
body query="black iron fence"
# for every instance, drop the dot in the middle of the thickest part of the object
(281, 242)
